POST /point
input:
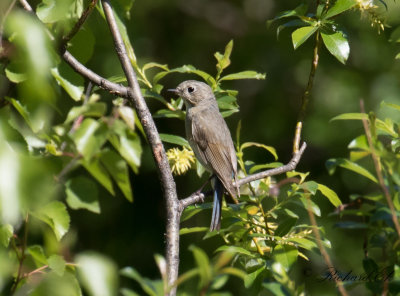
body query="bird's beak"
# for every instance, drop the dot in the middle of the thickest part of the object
(173, 90)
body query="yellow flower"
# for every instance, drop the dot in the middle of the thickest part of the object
(180, 160)
(366, 4)
(368, 8)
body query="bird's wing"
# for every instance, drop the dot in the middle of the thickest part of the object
(215, 145)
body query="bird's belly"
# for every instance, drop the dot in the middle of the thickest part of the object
(194, 145)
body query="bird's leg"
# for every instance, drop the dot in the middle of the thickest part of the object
(202, 186)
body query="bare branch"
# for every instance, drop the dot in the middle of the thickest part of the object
(306, 95)
(324, 253)
(378, 169)
(160, 158)
(26, 5)
(102, 82)
(276, 171)
(199, 197)
(194, 198)
(105, 84)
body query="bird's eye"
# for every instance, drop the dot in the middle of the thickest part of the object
(190, 89)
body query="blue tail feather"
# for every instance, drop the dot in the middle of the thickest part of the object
(217, 204)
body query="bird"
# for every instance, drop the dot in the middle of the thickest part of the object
(210, 140)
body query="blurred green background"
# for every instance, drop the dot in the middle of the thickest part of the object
(178, 32)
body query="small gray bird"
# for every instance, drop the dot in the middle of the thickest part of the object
(211, 141)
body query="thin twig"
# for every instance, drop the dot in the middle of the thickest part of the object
(159, 155)
(22, 256)
(378, 169)
(113, 88)
(26, 5)
(306, 95)
(3, 20)
(198, 196)
(324, 254)
(79, 24)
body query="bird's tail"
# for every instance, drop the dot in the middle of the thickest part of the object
(217, 205)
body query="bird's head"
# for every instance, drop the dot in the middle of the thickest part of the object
(193, 92)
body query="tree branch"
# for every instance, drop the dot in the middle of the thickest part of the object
(102, 82)
(134, 94)
(160, 158)
(378, 169)
(324, 253)
(306, 95)
(197, 197)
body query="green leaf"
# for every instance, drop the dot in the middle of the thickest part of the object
(300, 35)
(127, 292)
(187, 230)
(303, 242)
(82, 45)
(6, 232)
(14, 72)
(90, 137)
(187, 69)
(285, 226)
(128, 115)
(38, 255)
(97, 273)
(276, 289)
(189, 212)
(97, 170)
(359, 143)
(166, 113)
(330, 194)
(128, 145)
(56, 216)
(337, 45)
(34, 53)
(395, 35)
(351, 116)
(155, 65)
(203, 264)
(285, 255)
(74, 91)
(199, 168)
(223, 60)
(53, 284)
(251, 277)
(351, 225)
(243, 75)
(309, 186)
(150, 287)
(91, 109)
(228, 113)
(332, 163)
(339, 7)
(298, 11)
(118, 169)
(23, 111)
(151, 94)
(391, 105)
(270, 149)
(292, 23)
(51, 11)
(234, 249)
(173, 139)
(82, 193)
(308, 203)
(57, 263)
